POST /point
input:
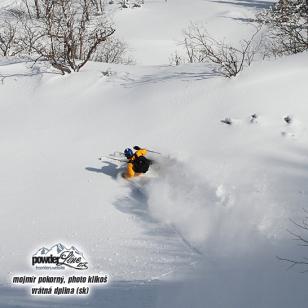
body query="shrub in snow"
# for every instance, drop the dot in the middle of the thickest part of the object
(107, 73)
(227, 121)
(112, 51)
(229, 60)
(175, 59)
(138, 3)
(288, 119)
(253, 118)
(124, 4)
(287, 22)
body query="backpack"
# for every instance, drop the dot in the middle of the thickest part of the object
(141, 164)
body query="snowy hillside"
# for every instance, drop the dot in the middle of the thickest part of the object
(206, 230)
(159, 25)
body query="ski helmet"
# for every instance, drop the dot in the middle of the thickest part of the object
(128, 153)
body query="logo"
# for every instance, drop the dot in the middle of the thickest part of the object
(59, 257)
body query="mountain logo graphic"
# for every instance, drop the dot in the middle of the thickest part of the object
(59, 257)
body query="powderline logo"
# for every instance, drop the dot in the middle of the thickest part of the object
(59, 257)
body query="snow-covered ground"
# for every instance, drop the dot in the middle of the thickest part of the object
(206, 231)
(155, 31)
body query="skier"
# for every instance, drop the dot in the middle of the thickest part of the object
(137, 162)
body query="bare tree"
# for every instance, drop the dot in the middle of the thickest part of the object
(37, 8)
(98, 4)
(9, 39)
(230, 60)
(302, 241)
(287, 22)
(67, 33)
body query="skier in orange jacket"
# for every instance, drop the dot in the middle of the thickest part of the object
(137, 162)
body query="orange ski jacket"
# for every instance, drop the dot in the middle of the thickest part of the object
(129, 170)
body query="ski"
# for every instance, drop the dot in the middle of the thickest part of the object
(113, 158)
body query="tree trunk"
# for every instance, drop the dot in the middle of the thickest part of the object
(37, 8)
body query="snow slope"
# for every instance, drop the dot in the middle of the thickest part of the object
(207, 230)
(153, 32)
(224, 197)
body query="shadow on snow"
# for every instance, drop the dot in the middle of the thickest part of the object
(110, 169)
(246, 3)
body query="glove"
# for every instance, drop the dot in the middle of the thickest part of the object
(137, 148)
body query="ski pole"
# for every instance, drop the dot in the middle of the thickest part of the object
(151, 151)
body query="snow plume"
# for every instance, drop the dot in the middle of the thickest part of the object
(220, 218)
